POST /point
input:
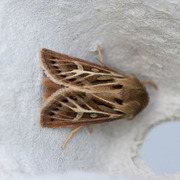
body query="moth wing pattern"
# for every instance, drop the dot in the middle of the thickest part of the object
(86, 93)
(71, 71)
(68, 108)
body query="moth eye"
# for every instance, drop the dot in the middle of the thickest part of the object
(65, 100)
(118, 86)
(72, 79)
(51, 114)
(119, 101)
(73, 97)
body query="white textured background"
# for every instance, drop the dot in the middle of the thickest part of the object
(136, 36)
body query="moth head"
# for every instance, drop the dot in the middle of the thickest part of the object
(134, 97)
(134, 107)
(139, 93)
(140, 101)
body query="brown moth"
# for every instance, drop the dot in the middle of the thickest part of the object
(82, 93)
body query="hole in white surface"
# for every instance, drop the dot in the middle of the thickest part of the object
(161, 148)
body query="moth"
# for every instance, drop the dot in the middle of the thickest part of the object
(81, 93)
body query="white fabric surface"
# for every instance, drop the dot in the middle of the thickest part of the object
(74, 176)
(137, 36)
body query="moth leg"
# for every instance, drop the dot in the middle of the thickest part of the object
(150, 82)
(102, 61)
(100, 55)
(71, 133)
(90, 128)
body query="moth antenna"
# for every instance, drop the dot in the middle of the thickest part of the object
(150, 82)
(100, 55)
(102, 61)
(69, 137)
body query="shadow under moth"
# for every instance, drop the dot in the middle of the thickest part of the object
(81, 93)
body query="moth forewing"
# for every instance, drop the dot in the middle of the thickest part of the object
(71, 71)
(80, 93)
